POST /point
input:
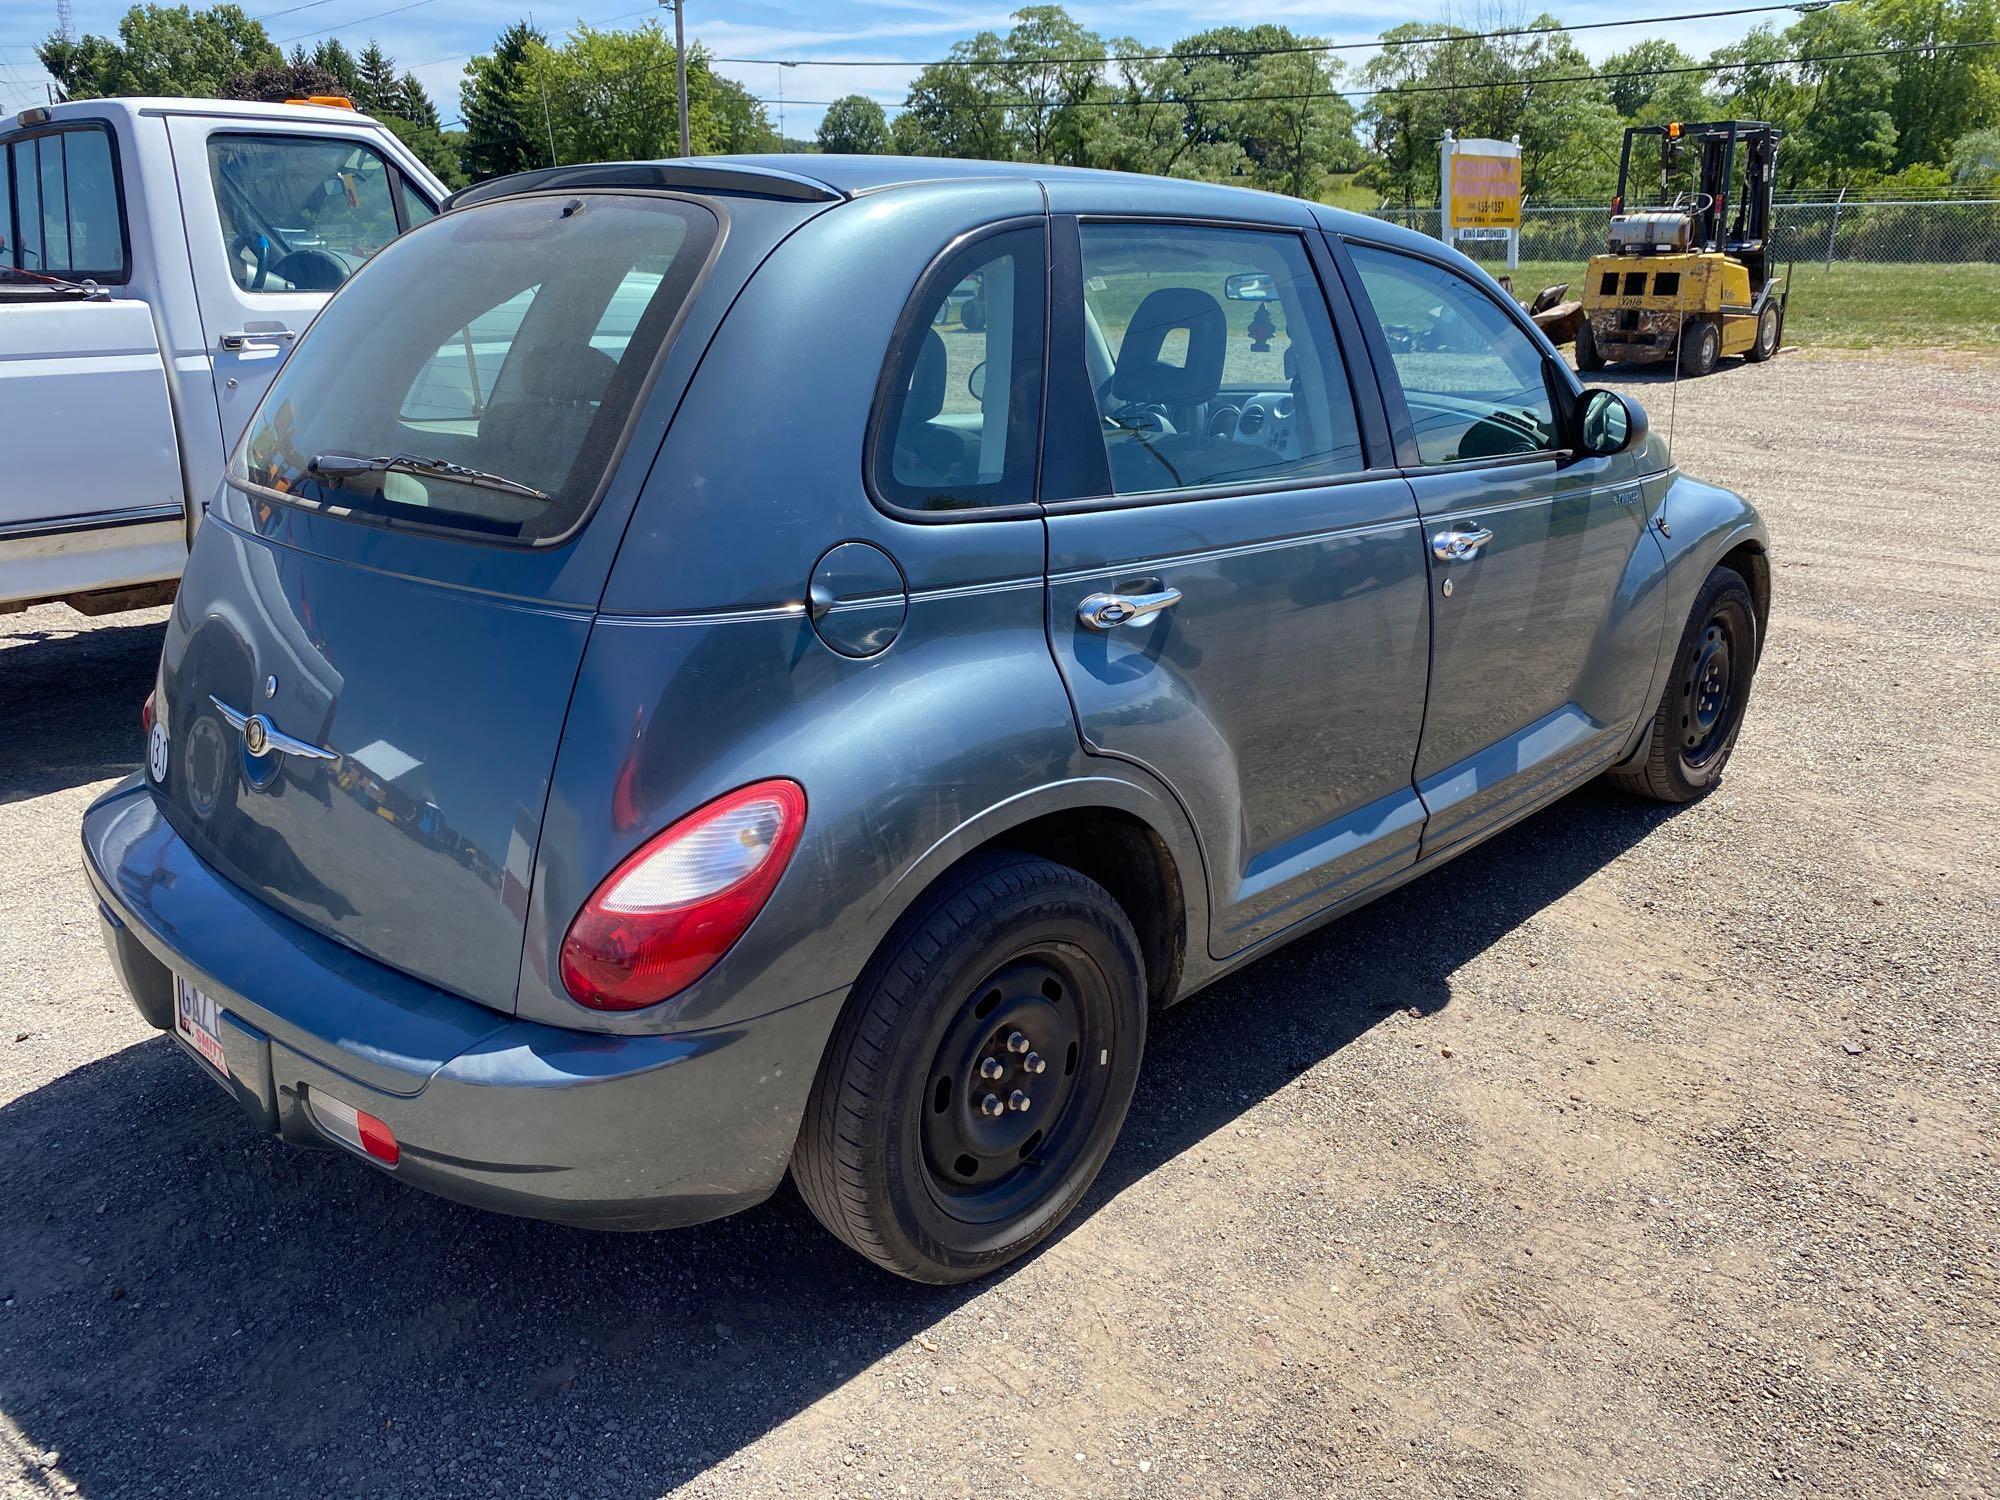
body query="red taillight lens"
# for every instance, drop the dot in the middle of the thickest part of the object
(146, 714)
(669, 912)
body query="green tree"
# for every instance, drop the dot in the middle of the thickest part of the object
(1844, 125)
(377, 89)
(610, 97)
(276, 82)
(741, 123)
(502, 112)
(1642, 85)
(161, 49)
(955, 109)
(337, 60)
(1975, 159)
(854, 124)
(1938, 96)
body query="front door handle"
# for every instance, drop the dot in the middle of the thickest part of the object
(1109, 611)
(246, 338)
(1458, 545)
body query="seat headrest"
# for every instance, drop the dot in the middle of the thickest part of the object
(1142, 376)
(576, 372)
(926, 380)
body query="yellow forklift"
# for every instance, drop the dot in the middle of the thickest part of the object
(1681, 279)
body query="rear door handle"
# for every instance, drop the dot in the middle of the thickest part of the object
(1109, 611)
(245, 338)
(1459, 545)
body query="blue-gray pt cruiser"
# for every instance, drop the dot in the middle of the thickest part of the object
(701, 669)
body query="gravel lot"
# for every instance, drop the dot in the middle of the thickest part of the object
(1636, 1152)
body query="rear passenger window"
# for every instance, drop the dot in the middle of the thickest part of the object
(959, 422)
(1476, 385)
(59, 208)
(1213, 358)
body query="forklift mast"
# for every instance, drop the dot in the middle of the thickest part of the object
(1710, 225)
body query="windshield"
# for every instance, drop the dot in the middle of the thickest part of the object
(479, 372)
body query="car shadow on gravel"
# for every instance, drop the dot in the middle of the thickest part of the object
(189, 1303)
(70, 702)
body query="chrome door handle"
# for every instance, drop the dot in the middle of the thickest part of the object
(1459, 546)
(1109, 611)
(245, 338)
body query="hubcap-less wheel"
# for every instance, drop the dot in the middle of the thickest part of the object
(1706, 694)
(1010, 1102)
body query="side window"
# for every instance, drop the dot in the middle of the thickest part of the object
(415, 210)
(958, 428)
(299, 213)
(1213, 358)
(455, 386)
(61, 191)
(1475, 383)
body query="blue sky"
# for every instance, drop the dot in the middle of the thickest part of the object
(426, 35)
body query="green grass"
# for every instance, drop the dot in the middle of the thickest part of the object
(1339, 190)
(1857, 304)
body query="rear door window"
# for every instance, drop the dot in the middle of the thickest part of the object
(480, 375)
(299, 213)
(60, 212)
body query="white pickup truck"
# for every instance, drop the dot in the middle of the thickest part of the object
(158, 258)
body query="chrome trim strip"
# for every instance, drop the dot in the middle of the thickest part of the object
(261, 736)
(138, 515)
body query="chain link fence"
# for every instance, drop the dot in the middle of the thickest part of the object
(1817, 229)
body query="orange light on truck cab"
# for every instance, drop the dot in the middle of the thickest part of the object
(331, 101)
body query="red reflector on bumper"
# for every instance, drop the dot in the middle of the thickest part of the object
(354, 1127)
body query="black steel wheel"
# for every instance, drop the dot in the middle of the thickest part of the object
(1695, 725)
(979, 1073)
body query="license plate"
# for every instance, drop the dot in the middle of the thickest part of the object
(198, 1021)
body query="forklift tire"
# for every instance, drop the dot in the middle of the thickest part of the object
(1701, 346)
(1587, 357)
(1768, 327)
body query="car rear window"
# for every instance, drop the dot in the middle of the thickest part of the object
(479, 373)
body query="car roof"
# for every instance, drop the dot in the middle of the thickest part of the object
(244, 109)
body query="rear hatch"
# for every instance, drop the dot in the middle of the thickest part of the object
(393, 591)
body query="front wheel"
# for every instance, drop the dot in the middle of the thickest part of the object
(1694, 728)
(979, 1073)
(1766, 343)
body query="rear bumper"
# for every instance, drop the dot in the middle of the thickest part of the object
(613, 1132)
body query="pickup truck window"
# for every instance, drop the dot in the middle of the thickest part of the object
(478, 377)
(299, 213)
(60, 213)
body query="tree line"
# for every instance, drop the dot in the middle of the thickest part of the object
(1871, 93)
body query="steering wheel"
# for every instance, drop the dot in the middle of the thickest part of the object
(1146, 418)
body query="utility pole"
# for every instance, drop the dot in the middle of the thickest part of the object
(681, 71)
(781, 104)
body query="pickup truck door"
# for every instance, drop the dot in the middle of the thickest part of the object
(278, 215)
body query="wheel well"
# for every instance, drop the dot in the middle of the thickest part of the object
(1129, 860)
(1749, 560)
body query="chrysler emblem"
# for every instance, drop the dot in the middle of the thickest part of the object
(261, 737)
(256, 735)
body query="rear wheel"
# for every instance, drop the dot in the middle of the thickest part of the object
(1766, 343)
(980, 1072)
(1701, 346)
(1587, 355)
(1694, 728)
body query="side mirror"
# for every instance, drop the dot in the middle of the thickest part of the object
(1251, 286)
(1609, 422)
(975, 382)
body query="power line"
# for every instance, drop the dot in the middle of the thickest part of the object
(1380, 44)
(345, 25)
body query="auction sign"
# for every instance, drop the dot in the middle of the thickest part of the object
(1484, 185)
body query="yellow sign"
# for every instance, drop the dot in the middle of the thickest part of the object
(1485, 191)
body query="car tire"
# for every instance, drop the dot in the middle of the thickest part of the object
(1695, 726)
(1766, 343)
(902, 1153)
(972, 315)
(1701, 346)
(1587, 355)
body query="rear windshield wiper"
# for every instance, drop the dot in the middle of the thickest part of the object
(347, 465)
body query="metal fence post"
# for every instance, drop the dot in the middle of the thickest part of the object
(1834, 228)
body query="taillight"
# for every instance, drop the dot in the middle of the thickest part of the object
(666, 915)
(146, 714)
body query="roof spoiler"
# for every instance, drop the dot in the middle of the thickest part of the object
(736, 177)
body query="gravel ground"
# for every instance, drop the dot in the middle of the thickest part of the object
(1636, 1152)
